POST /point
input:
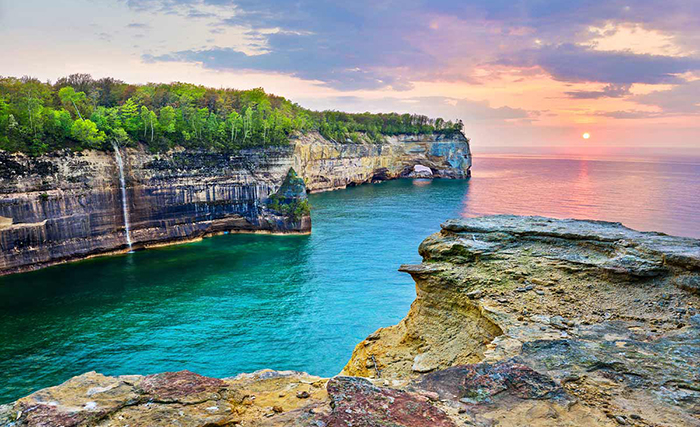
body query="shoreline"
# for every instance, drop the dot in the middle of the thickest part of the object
(85, 214)
(147, 246)
(155, 245)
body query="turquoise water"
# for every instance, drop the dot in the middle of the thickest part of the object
(237, 303)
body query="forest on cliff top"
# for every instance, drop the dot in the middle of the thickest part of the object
(79, 112)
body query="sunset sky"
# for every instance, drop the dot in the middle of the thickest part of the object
(519, 73)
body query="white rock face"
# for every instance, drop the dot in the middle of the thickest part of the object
(420, 171)
(327, 165)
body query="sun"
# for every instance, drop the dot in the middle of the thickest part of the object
(586, 135)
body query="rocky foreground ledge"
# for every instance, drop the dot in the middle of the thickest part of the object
(518, 321)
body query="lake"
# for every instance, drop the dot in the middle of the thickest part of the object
(238, 303)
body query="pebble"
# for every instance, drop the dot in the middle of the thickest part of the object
(539, 292)
(277, 409)
(431, 395)
(529, 287)
(475, 294)
(558, 322)
(620, 420)
(303, 395)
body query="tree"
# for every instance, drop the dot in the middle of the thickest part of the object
(120, 137)
(79, 81)
(86, 132)
(439, 123)
(130, 116)
(32, 105)
(198, 121)
(247, 124)
(178, 113)
(68, 95)
(107, 119)
(167, 119)
(152, 119)
(234, 123)
(4, 114)
(58, 124)
(145, 116)
(108, 90)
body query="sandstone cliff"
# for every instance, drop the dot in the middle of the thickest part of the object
(517, 321)
(68, 206)
(328, 165)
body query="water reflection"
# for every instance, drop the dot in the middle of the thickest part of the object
(647, 196)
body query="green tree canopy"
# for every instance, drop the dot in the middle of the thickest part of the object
(86, 133)
(79, 112)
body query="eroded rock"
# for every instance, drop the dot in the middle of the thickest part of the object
(357, 402)
(614, 340)
(612, 324)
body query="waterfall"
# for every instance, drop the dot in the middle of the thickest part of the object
(122, 184)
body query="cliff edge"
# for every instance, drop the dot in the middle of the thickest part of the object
(67, 206)
(517, 321)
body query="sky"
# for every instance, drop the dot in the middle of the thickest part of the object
(525, 73)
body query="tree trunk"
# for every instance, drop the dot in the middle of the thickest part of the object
(76, 109)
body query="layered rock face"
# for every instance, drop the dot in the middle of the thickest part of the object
(70, 206)
(518, 321)
(597, 324)
(328, 165)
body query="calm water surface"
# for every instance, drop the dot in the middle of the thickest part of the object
(238, 303)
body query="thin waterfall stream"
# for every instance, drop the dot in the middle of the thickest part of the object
(122, 185)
